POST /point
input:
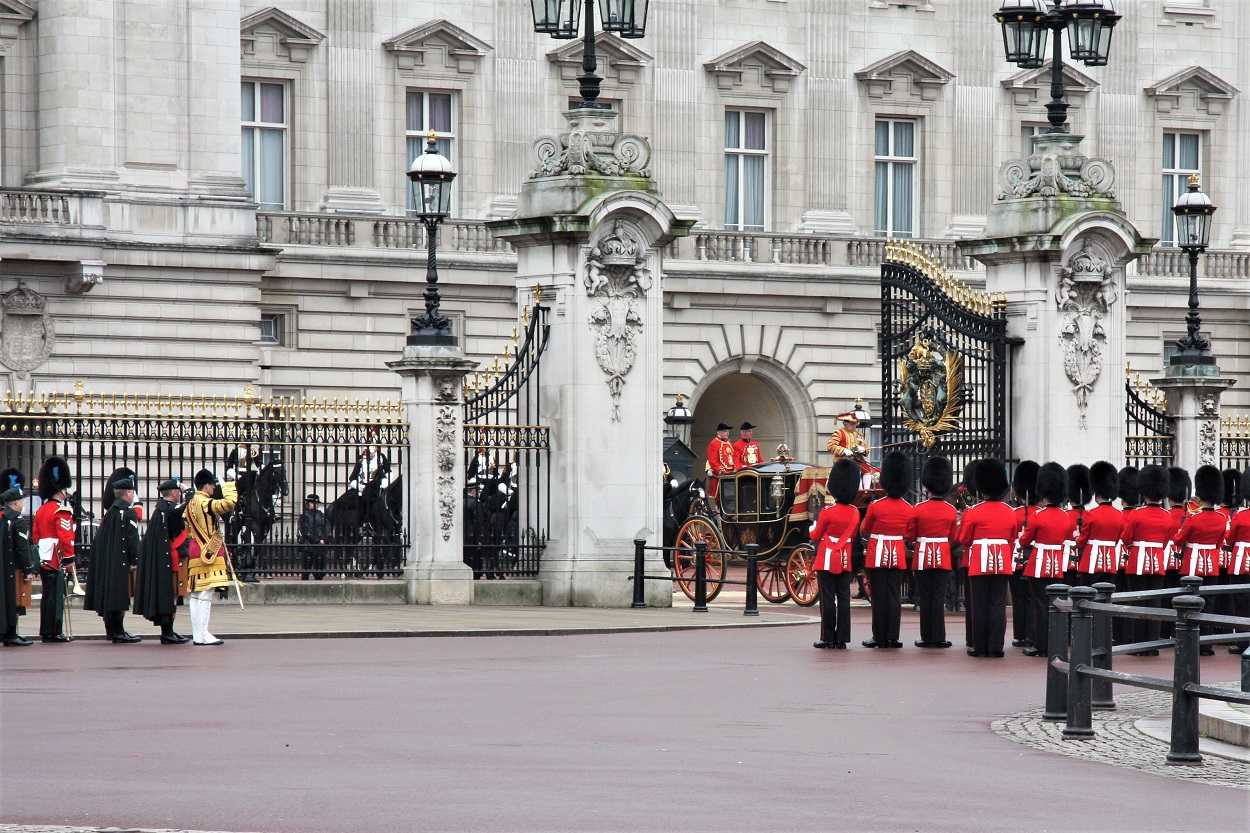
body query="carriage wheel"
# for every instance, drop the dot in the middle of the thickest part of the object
(771, 579)
(800, 577)
(694, 530)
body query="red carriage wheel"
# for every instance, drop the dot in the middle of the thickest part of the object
(800, 577)
(693, 531)
(771, 579)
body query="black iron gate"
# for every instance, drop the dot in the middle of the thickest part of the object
(507, 503)
(944, 363)
(1148, 430)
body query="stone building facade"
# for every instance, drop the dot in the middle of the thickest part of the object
(204, 195)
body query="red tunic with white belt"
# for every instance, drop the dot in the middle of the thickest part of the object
(1044, 539)
(54, 523)
(1147, 531)
(936, 521)
(889, 524)
(833, 533)
(1099, 541)
(1077, 515)
(1198, 543)
(1225, 554)
(1237, 542)
(988, 533)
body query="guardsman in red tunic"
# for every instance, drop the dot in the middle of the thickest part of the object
(890, 527)
(1099, 540)
(936, 521)
(720, 461)
(52, 533)
(1042, 543)
(1237, 544)
(988, 533)
(1180, 490)
(1144, 539)
(747, 451)
(1223, 605)
(1200, 537)
(833, 534)
(1024, 485)
(1078, 498)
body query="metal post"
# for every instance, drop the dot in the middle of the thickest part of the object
(753, 559)
(640, 598)
(1187, 669)
(1102, 696)
(1056, 680)
(1080, 724)
(700, 577)
(1245, 670)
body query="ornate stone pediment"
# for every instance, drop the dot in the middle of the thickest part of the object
(904, 75)
(13, 15)
(275, 32)
(616, 57)
(755, 64)
(1196, 89)
(438, 46)
(1031, 87)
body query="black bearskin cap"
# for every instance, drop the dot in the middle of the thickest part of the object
(203, 477)
(1179, 485)
(1024, 482)
(1152, 483)
(844, 480)
(991, 479)
(970, 477)
(54, 476)
(1052, 484)
(1078, 485)
(937, 476)
(1104, 480)
(1245, 485)
(1130, 489)
(1209, 485)
(1232, 485)
(896, 474)
(11, 477)
(119, 473)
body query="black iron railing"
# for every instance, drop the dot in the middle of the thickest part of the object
(1149, 432)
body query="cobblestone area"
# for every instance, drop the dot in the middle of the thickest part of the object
(1119, 742)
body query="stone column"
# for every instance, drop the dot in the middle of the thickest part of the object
(431, 393)
(1193, 393)
(352, 90)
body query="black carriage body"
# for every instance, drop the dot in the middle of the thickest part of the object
(752, 511)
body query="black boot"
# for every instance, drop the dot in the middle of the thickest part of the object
(110, 629)
(119, 631)
(168, 637)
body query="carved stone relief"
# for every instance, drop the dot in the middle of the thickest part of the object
(27, 335)
(444, 442)
(1057, 167)
(617, 277)
(1085, 294)
(591, 145)
(1209, 443)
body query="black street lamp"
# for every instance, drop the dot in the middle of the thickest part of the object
(1026, 26)
(1193, 233)
(431, 174)
(562, 18)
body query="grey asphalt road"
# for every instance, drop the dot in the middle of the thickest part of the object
(685, 731)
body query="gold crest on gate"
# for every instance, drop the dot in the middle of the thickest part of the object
(930, 388)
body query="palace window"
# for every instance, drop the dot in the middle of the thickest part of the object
(428, 111)
(894, 212)
(746, 169)
(265, 132)
(1182, 156)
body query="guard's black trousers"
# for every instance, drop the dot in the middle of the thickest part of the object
(886, 603)
(52, 604)
(835, 606)
(931, 596)
(987, 612)
(1021, 614)
(1039, 612)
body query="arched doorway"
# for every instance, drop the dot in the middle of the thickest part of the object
(769, 397)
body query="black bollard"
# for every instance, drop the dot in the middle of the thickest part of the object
(1245, 670)
(1080, 723)
(1101, 696)
(700, 577)
(753, 565)
(1056, 680)
(1187, 669)
(640, 596)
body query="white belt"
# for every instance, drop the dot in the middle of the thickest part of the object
(987, 550)
(884, 538)
(1096, 549)
(1199, 552)
(922, 549)
(1044, 548)
(1239, 557)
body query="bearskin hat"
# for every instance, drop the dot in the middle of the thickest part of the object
(844, 480)
(991, 478)
(54, 476)
(1209, 485)
(937, 476)
(1078, 485)
(970, 476)
(119, 473)
(11, 477)
(1104, 480)
(1179, 485)
(896, 474)
(203, 477)
(1052, 484)
(1152, 483)
(1232, 485)
(1245, 485)
(1130, 490)
(1024, 482)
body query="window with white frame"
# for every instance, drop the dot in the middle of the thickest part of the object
(746, 169)
(896, 158)
(1027, 132)
(272, 328)
(1182, 156)
(266, 126)
(426, 111)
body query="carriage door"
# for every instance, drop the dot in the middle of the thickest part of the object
(944, 363)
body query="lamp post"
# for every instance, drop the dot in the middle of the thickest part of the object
(562, 18)
(1026, 26)
(431, 175)
(678, 415)
(1193, 233)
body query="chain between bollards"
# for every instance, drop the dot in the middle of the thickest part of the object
(1056, 680)
(640, 595)
(1101, 696)
(700, 577)
(753, 566)
(1080, 722)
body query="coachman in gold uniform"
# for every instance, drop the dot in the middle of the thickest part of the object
(208, 565)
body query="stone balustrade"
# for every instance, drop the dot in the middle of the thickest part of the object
(1174, 263)
(32, 206)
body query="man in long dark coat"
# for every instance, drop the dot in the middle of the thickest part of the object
(156, 595)
(114, 553)
(17, 560)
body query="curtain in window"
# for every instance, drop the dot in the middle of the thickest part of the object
(272, 109)
(732, 191)
(249, 158)
(271, 194)
(881, 199)
(440, 112)
(753, 192)
(903, 173)
(414, 120)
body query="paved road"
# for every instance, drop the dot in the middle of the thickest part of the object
(746, 729)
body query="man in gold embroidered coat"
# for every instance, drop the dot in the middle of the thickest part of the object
(847, 441)
(208, 566)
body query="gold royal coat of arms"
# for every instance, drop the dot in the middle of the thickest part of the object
(930, 388)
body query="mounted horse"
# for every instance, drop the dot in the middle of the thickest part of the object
(255, 514)
(369, 521)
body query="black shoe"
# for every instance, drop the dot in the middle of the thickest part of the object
(942, 644)
(1206, 651)
(973, 653)
(60, 637)
(1153, 652)
(870, 643)
(249, 578)
(174, 639)
(822, 644)
(214, 642)
(960, 609)
(841, 646)
(1031, 652)
(123, 638)
(920, 644)
(17, 641)
(892, 644)
(1236, 649)
(1021, 643)
(996, 654)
